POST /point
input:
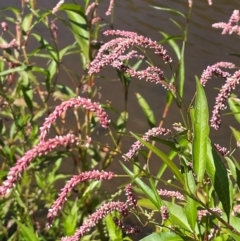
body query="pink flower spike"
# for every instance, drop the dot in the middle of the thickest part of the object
(41, 149)
(12, 44)
(139, 40)
(232, 25)
(56, 8)
(74, 102)
(173, 194)
(125, 227)
(90, 7)
(137, 144)
(110, 8)
(62, 197)
(223, 95)
(112, 50)
(131, 199)
(93, 219)
(216, 71)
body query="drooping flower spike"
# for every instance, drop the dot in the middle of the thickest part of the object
(231, 26)
(41, 149)
(113, 53)
(93, 219)
(76, 179)
(223, 95)
(137, 144)
(214, 70)
(74, 102)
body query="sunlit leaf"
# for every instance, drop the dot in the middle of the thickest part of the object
(148, 112)
(170, 10)
(27, 232)
(219, 177)
(162, 237)
(79, 27)
(201, 132)
(163, 157)
(146, 189)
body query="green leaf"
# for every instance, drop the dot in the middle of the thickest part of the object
(28, 97)
(26, 23)
(162, 237)
(16, 11)
(79, 27)
(191, 212)
(235, 107)
(17, 69)
(70, 219)
(27, 232)
(63, 92)
(170, 10)
(201, 132)
(171, 41)
(148, 112)
(146, 203)
(181, 73)
(114, 232)
(232, 167)
(146, 189)
(46, 46)
(177, 216)
(219, 177)
(121, 122)
(236, 133)
(164, 157)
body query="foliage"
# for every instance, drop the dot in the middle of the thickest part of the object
(201, 200)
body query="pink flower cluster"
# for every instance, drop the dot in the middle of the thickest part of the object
(131, 199)
(12, 44)
(190, 3)
(174, 194)
(125, 227)
(231, 80)
(223, 95)
(113, 53)
(4, 26)
(215, 70)
(62, 197)
(74, 102)
(137, 145)
(222, 150)
(41, 149)
(55, 9)
(93, 219)
(231, 26)
(164, 213)
(204, 212)
(110, 8)
(91, 7)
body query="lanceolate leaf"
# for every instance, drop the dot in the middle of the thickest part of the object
(162, 237)
(146, 110)
(235, 108)
(78, 26)
(27, 232)
(172, 42)
(151, 195)
(170, 10)
(201, 132)
(164, 158)
(219, 177)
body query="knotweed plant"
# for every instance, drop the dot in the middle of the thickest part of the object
(53, 162)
